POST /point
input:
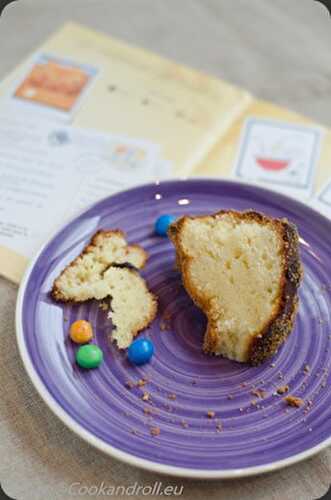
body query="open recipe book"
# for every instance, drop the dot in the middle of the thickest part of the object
(86, 115)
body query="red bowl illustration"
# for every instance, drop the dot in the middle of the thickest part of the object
(272, 164)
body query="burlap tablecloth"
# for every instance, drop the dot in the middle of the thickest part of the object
(278, 49)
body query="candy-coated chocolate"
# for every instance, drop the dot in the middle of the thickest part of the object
(162, 224)
(81, 332)
(140, 351)
(89, 356)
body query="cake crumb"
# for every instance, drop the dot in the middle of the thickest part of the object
(294, 401)
(145, 396)
(167, 316)
(172, 397)
(129, 384)
(155, 431)
(141, 382)
(147, 411)
(210, 414)
(273, 365)
(219, 427)
(184, 424)
(306, 369)
(230, 396)
(283, 389)
(259, 393)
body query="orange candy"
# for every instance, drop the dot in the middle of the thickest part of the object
(81, 332)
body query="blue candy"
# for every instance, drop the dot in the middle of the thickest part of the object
(140, 351)
(162, 224)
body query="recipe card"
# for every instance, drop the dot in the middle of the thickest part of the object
(279, 155)
(49, 171)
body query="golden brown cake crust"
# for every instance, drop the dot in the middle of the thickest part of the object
(56, 292)
(279, 327)
(265, 342)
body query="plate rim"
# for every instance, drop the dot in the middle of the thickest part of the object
(108, 449)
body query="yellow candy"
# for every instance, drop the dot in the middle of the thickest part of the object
(81, 332)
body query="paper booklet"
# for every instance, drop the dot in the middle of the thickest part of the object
(86, 115)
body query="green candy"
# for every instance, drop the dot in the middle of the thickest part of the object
(89, 356)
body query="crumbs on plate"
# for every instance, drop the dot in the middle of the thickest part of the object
(155, 431)
(294, 401)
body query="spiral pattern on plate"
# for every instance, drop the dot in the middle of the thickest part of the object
(183, 383)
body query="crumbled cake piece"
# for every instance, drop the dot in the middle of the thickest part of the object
(294, 401)
(283, 389)
(172, 397)
(141, 382)
(260, 393)
(306, 369)
(133, 307)
(210, 414)
(107, 267)
(82, 279)
(243, 270)
(129, 384)
(145, 396)
(163, 326)
(155, 431)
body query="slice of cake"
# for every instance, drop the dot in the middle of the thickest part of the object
(107, 267)
(243, 270)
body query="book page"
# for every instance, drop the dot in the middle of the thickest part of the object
(222, 159)
(139, 94)
(48, 172)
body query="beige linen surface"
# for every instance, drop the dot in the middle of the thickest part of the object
(277, 49)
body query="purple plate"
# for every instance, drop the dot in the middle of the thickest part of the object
(248, 434)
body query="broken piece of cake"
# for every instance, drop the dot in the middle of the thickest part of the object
(243, 270)
(107, 267)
